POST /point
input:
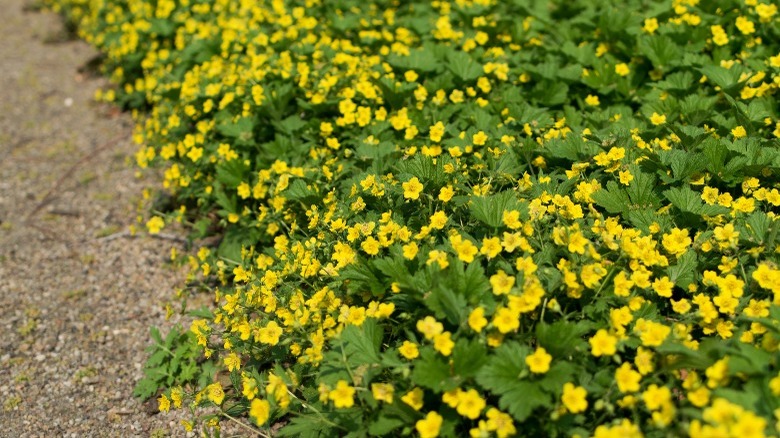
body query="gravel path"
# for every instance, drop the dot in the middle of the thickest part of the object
(76, 309)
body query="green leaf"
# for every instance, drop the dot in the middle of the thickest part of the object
(145, 388)
(715, 153)
(684, 357)
(298, 190)
(612, 198)
(464, 66)
(682, 273)
(559, 374)
(468, 357)
(446, 303)
(661, 50)
(562, 338)
(382, 426)
(421, 61)
(230, 246)
(361, 344)
(305, 426)
(240, 130)
(726, 79)
(231, 173)
(431, 371)
(521, 398)
(689, 201)
(551, 93)
(641, 191)
(504, 367)
(290, 125)
(490, 209)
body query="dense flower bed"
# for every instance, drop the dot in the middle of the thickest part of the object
(470, 217)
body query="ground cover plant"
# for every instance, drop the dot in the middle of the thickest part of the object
(463, 218)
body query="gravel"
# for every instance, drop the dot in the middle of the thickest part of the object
(76, 307)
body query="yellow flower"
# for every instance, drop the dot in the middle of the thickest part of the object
(592, 100)
(259, 411)
(719, 35)
(370, 246)
(491, 247)
(574, 398)
(477, 320)
(745, 25)
(429, 426)
(677, 241)
(699, 397)
(343, 396)
(437, 132)
(382, 392)
(577, 243)
(414, 398)
(506, 320)
(650, 25)
(603, 344)
(465, 249)
(739, 132)
(429, 327)
(663, 287)
(269, 334)
(438, 220)
(479, 138)
(512, 219)
(539, 361)
(410, 250)
(232, 361)
(501, 423)
(451, 398)
(164, 405)
(502, 283)
(443, 343)
(651, 333)
(410, 76)
(622, 69)
(215, 393)
(655, 397)
(409, 350)
(657, 119)
(155, 224)
(412, 188)
(627, 379)
(470, 404)
(446, 193)
(176, 396)
(625, 177)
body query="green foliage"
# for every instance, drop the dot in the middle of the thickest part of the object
(463, 218)
(173, 361)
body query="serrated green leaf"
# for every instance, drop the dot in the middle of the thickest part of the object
(490, 209)
(612, 198)
(446, 303)
(382, 426)
(432, 371)
(468, 357)
(504, 367)
(361, 344)
(464, 66)
(521, 398)
(682, 273)
(562, 338)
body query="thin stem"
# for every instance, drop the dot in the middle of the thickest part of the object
(245, 426)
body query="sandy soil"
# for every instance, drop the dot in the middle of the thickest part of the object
(76, 306)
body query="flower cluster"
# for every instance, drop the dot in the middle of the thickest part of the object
(472, 216)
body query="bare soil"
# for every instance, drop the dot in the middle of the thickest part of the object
(76, 305)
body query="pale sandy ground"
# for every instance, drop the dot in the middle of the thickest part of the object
(76, 309)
